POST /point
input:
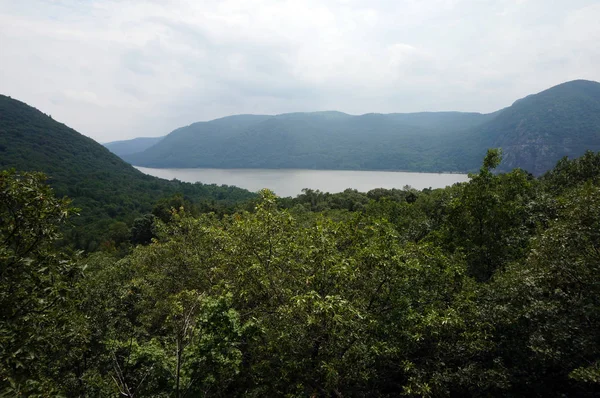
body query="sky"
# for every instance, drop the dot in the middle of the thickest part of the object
(116, 70)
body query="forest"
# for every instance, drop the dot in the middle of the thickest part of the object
(484, 288)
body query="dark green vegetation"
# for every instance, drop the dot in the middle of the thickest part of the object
(127, 147)
(485, 288)
(534, 133)
(110, 192)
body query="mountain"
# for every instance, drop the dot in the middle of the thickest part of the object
(127, 147)
(538, 130)
(534, 133)
(100, 183)
(318, 140)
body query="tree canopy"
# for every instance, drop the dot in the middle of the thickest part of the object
(485, 288)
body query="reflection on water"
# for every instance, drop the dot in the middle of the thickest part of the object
(289, 182)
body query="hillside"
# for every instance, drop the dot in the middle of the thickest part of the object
(535, 132)
(319, 140)
(127, 147)
(538, 130)
(100, 183)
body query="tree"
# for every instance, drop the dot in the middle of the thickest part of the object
(39, 327)
(489, 221)
(142, 230)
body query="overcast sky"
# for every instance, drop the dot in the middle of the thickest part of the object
(122, 69)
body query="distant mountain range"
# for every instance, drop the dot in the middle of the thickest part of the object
(127, 147)
(534, 133)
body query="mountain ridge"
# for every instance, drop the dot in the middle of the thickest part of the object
(534, 132)
(127, 147)
(299, 138)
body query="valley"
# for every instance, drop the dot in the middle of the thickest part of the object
(299, 199)
(118, 283)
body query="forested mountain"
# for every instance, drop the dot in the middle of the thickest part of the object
(534, 133)
(319, 140)
(100, 183)
(538, 130)
(127, 147)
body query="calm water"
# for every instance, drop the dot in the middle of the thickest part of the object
(289, 182)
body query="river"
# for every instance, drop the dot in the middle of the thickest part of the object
(290, 182)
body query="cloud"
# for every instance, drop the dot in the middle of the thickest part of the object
(117, 69)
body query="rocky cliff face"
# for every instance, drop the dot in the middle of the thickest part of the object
(537, 131)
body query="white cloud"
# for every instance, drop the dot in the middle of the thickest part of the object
(117, 69)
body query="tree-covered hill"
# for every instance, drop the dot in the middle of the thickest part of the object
(127, 147)
(100, 183)
(535, 132)
(319, 140)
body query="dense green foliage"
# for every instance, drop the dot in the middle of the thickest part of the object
(39, 322)
(485, 288)
(127, 147)
(101, 184)
(534, 133)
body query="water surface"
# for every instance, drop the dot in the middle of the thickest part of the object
(290, 182)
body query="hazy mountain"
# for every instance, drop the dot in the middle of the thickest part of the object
(101, 184)
(127, 147)
(534, 133)
(319, 140)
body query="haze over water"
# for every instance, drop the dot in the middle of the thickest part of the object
(290, 182)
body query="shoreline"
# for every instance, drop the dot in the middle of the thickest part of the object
(301, 169)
